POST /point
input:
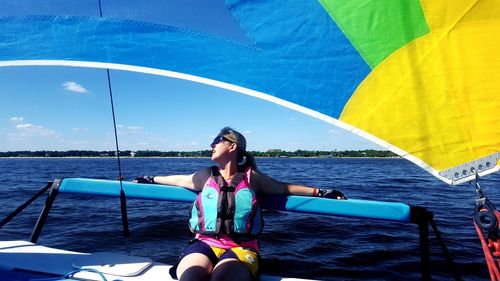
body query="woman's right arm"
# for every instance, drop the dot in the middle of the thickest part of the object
(195, 181)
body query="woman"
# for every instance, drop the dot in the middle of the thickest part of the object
(226, 217)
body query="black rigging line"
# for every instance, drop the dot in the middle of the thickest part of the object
(100, 9)
(123, 198)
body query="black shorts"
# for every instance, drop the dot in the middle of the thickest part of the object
(249, 257)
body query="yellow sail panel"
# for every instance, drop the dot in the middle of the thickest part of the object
(438, 97)
(445, 14)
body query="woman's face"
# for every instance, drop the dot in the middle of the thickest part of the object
(221, 148)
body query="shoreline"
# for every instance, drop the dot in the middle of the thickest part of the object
(272, 153)
(195, 157)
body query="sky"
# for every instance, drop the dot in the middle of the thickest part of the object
(66, 108)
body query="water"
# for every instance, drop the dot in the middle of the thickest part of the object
(292, 245)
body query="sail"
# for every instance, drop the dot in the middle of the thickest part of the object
(417, 77)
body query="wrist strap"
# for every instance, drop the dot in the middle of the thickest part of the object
(315, 192)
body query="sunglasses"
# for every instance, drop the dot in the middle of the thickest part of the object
(219, 139)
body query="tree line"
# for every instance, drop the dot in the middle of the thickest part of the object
(199, 153)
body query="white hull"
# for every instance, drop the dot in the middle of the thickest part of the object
(28, 257)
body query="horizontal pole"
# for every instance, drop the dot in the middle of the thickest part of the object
(378, 210)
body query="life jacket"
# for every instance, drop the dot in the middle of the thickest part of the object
(232, 210)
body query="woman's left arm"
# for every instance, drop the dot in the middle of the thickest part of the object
(265, 184)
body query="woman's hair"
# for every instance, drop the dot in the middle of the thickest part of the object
(249, 161)
(245, 159)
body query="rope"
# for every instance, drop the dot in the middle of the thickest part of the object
(100, 9)
(23, 206)
(123, 198)
(444, 249)
(72, 274)
(485, 220)
(490, 260)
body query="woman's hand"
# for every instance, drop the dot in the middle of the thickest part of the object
(331, 193)
(144, 179)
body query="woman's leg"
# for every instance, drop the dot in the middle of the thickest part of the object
(194, 266)
(231, 269)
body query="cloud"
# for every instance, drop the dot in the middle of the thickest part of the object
(16, 119)
(28, 126)
(29, 130)
(125, 129)
(74, 87)
(134, 128)
(129, 127)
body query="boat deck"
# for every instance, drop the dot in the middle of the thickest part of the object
(21, 260)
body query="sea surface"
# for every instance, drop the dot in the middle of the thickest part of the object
(292, 245)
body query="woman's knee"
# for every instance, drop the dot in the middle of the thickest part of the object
(194, 267)
(228, 269)
(197, 273)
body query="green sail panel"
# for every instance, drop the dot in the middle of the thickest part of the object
(377, 28)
